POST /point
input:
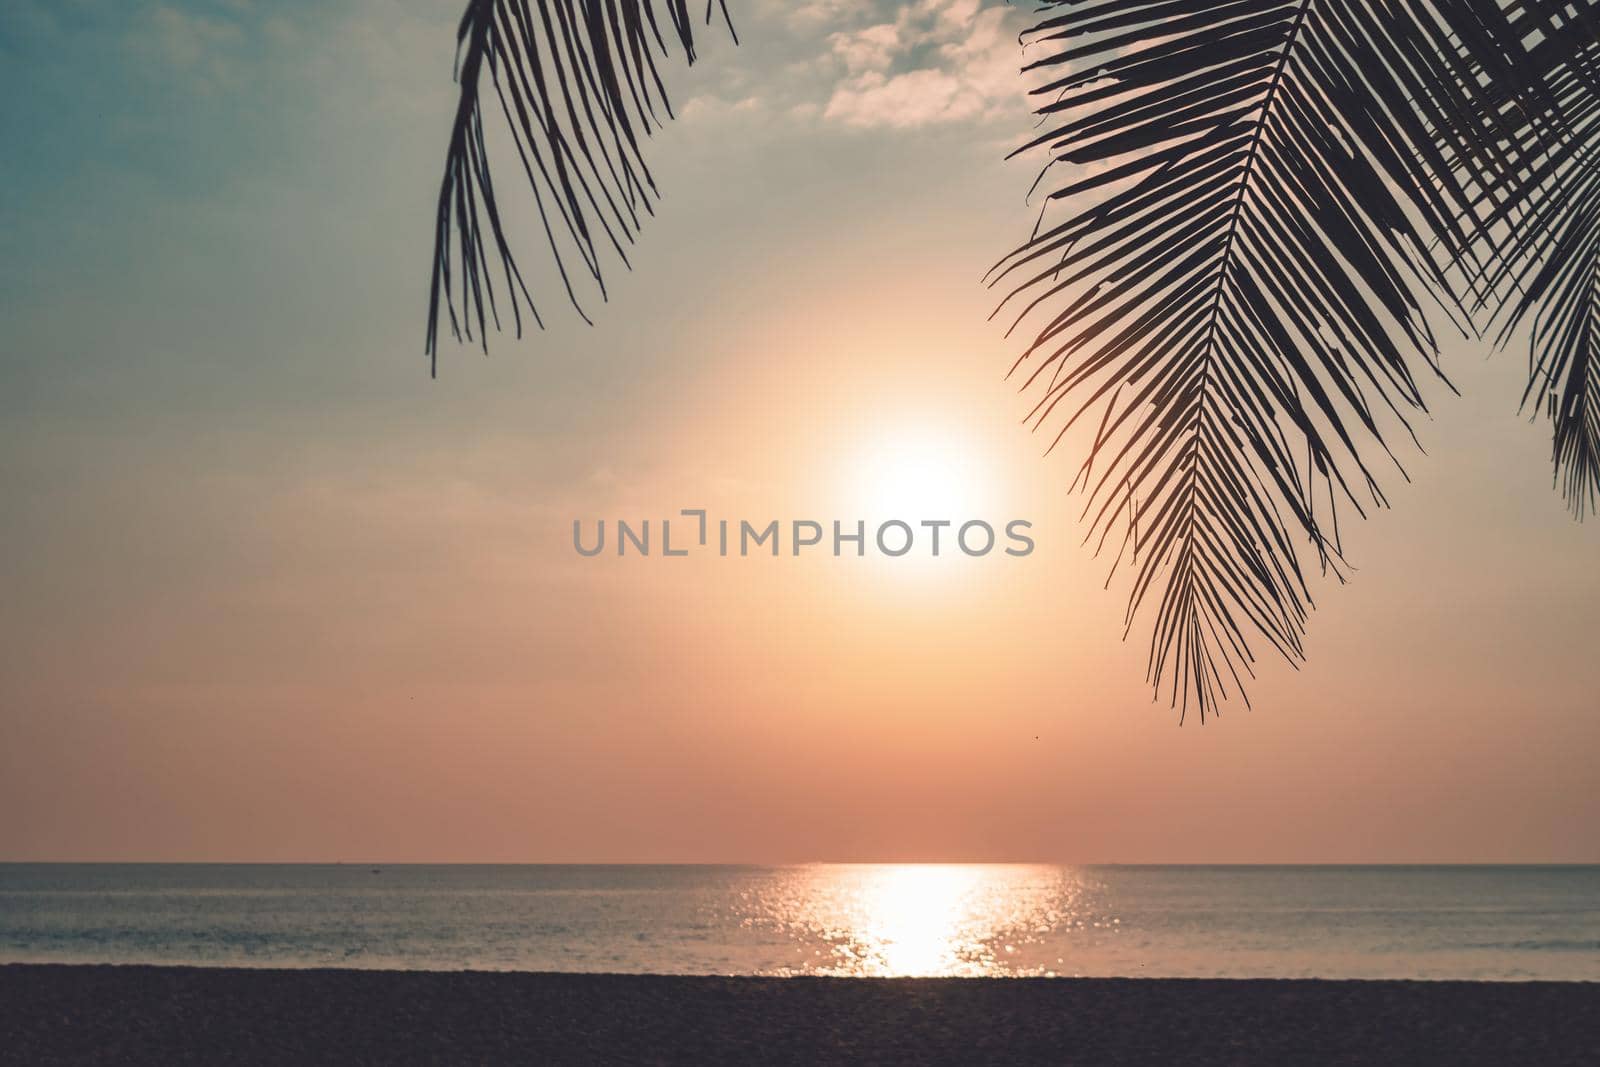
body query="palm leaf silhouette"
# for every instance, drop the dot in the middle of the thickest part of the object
(577, 84)
(1546, 267)
(1256, 192)
(1257, 197)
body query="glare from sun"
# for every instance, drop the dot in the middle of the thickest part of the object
(926, 476)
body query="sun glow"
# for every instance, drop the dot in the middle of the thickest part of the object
(922, 476)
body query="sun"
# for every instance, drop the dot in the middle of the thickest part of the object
(928, 475)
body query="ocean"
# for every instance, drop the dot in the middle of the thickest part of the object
(821, 919)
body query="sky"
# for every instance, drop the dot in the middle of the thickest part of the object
(272, 593)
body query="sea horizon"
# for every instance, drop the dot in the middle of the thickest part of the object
(792, 864)
(1365, 921)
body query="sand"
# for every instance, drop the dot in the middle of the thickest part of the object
(102, 1014)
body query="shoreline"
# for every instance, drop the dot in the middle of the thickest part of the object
(132, 1013)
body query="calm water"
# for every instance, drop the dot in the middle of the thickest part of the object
(1331, 922)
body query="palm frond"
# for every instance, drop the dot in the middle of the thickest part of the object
(1250, 202)
(1546, 263)
(577, 84)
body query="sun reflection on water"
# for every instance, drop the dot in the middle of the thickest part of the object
(922, 920)
(914, 916)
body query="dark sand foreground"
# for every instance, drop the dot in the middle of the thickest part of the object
(58, 1014)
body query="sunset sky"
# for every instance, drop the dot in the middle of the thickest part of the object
(270, 593)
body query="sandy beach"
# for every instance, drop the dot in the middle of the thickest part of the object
(127, 1014)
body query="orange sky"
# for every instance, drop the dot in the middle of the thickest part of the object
(274, 595)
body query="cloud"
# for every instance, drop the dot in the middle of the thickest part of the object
(871, 49)
(941, 61)
(878, 65)
(710, 106)
(815, 13)
(916, 98)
